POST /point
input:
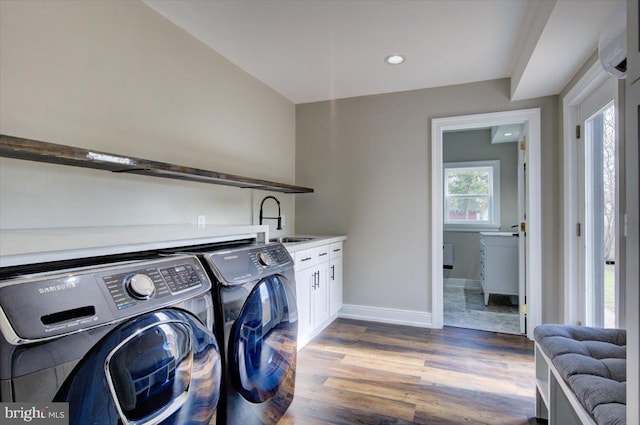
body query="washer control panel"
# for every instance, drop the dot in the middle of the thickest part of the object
(126, 289)
(181, 278)
(56, 303)
(142, 284)
(263, 259)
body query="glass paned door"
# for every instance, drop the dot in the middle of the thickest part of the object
(597, 228)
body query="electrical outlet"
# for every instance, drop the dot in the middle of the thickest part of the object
(201, 221)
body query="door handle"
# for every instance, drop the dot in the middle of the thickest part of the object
(333, 272)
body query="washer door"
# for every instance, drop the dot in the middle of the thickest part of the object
(263, 342)
(162, 367)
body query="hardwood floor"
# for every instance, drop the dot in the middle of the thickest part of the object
(370, 373)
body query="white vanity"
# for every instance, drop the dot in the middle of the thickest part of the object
(498, 264)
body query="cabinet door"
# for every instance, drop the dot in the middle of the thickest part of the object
(304, 289)
(501, 264)
(335, 285)
(321, 295)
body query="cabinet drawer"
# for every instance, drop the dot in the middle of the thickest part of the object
(322, 253)
(335, 250)
(304, 259)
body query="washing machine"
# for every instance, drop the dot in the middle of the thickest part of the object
(257, 324)
(129, 342)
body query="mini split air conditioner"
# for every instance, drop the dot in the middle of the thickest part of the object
(612, 43)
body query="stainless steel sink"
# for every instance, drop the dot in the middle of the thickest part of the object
(290, 239)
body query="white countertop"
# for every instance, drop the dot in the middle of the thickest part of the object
(317, 240)
(501, 234)
(29, 246)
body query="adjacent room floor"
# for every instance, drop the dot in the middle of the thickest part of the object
(376, 374)
(465, 308)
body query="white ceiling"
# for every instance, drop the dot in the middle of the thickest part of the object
(506, 133)
(314, 50)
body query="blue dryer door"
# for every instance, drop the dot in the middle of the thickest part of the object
(162, 367)
(263, 340)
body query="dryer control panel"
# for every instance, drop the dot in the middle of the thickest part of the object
(53, 304)
(242, 265)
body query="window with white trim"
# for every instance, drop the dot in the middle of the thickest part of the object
(472, 196)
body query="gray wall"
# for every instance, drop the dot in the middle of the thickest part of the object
(475, 145)
(369, 160)
(116, 76)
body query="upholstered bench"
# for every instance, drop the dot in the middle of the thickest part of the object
(580, 374)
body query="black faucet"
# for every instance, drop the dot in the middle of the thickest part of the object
(279, 217)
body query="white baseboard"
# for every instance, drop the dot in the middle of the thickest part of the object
(387, 315)
(462, 283)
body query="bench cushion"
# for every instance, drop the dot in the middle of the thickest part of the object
(592, 361)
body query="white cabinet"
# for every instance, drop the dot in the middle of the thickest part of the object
(498, 264)
(312, 288)
(318, 273)
(304, 283)
(320, 293)
(335, 278)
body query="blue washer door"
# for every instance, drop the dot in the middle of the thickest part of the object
(263, 340)
(162, 367)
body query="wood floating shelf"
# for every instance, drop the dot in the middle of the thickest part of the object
(35, 150)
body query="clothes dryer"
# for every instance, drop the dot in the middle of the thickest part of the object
(121, 343)
(257, 324)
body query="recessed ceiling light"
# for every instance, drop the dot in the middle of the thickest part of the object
(394, 59)
(508, 134)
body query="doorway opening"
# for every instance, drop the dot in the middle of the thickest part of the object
(529, 209)
(481, 228)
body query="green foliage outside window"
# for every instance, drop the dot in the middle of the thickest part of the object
(468, 192)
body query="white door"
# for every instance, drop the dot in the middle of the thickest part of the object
(321, 294)
(597, 208)
(304, 291)
(335, 288)
(521, 230)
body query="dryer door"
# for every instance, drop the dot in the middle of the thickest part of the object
(263, 343)
(162, 367)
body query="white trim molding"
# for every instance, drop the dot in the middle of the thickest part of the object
(591, 80)
(420, 319)
(531, 119)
